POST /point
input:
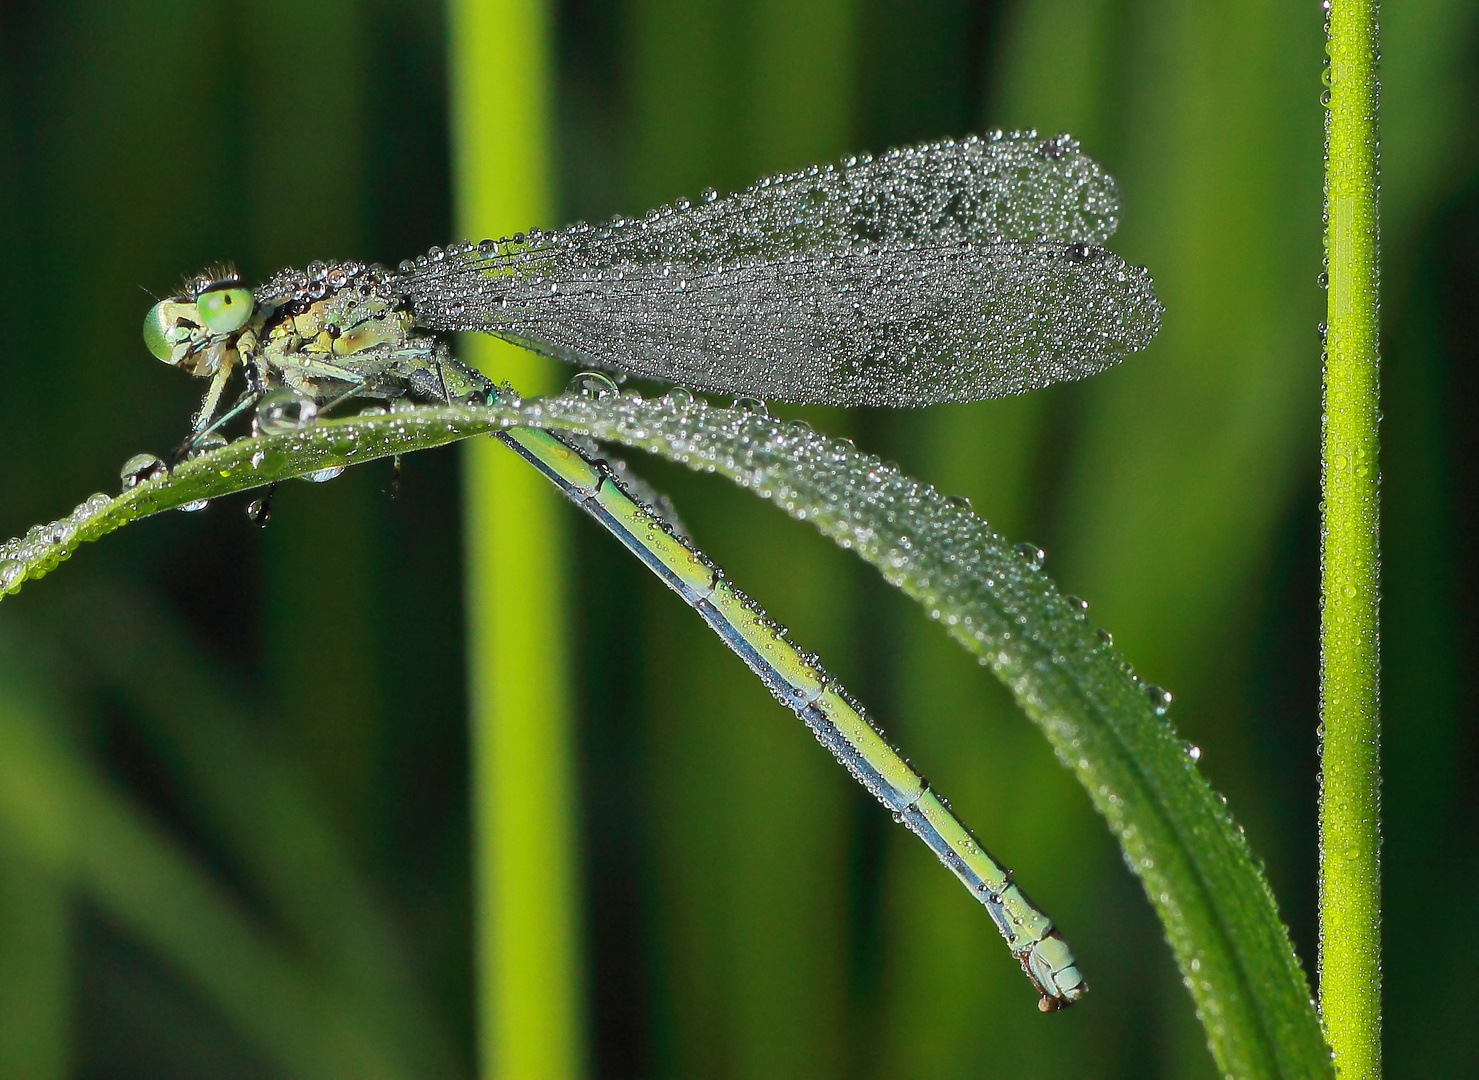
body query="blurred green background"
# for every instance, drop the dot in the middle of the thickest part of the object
(234, 821)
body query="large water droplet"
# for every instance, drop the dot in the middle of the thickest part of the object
(285, 410)
(323, 476)
(592, 384)
(1160, 698)
(212, 440)
(139, 468)
(1031, 554)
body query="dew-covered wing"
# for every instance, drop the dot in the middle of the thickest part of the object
(1015, 187)
(864, 325)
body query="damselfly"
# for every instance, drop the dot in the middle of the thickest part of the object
(953, 271)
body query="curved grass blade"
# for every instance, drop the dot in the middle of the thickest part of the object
(1177, 835)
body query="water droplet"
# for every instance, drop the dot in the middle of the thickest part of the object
(1079, 605)
(1160, 699)
(206, 443)
(709, 195)
(750, 405)
(959, 502)
(139, 468)
(1031, 554)
(1106, 637)
(1194, 751)
(1323, 280)
(259, 511)
(11, 572)
(194, 506)
(285, 410)
(323, 476)
(679, 397)
(591, 384)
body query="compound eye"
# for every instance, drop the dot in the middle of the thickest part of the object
(225, 310)
(159, 326)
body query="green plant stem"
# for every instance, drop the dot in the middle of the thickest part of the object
(1350, 872)
(523, 802)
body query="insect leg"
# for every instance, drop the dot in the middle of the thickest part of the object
(212, 398)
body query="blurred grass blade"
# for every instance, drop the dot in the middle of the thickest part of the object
(37, 960)
(525, 847)
(262, 804)
(60, 814)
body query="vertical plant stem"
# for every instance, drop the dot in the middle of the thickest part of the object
(1350, 878)
(524, 824)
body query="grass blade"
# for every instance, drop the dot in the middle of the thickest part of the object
(1176, 833)
(1350, 763)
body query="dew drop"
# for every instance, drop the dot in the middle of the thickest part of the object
(139, 468)
(206, 443)
(1194, 752)
(1160, 698)
(323, 476)
(591, 384)
(285, 410)
(194, 506)
(1031, 554)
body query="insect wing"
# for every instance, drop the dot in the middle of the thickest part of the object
(947, 272)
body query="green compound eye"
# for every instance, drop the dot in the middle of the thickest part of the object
(224, 310)
(157, 327)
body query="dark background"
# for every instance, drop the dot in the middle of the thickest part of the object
(233, 824)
